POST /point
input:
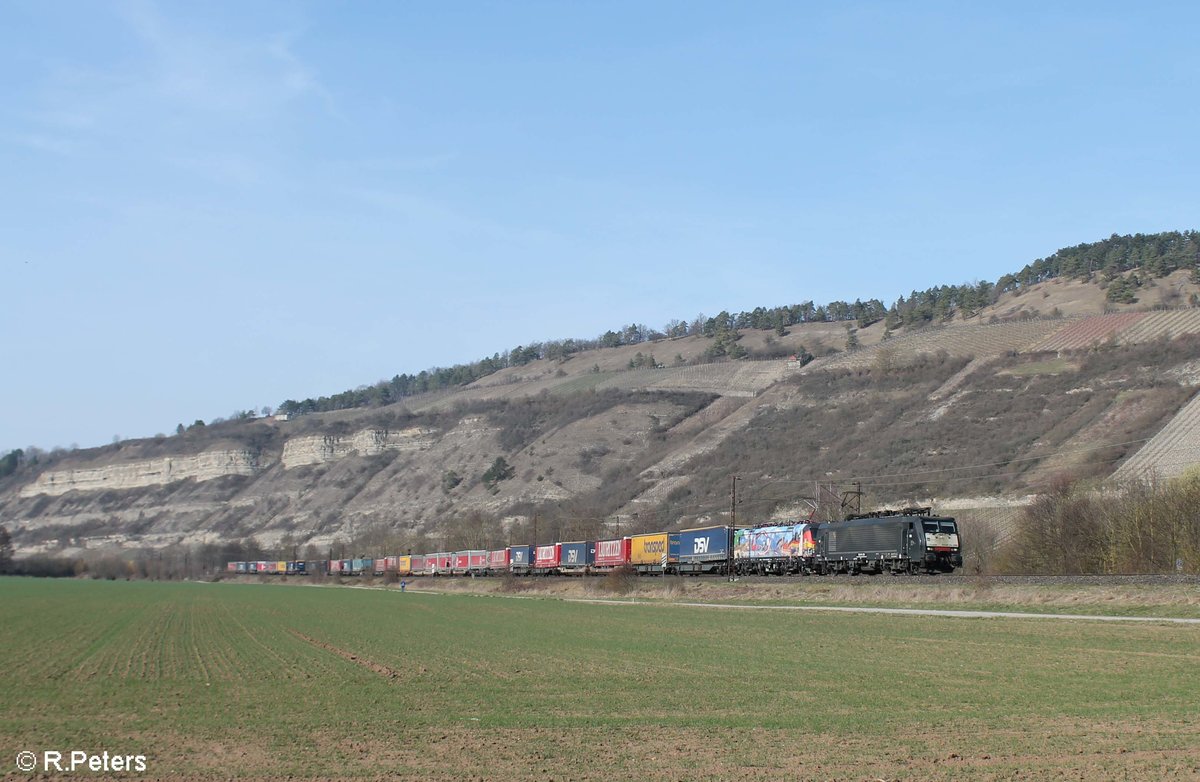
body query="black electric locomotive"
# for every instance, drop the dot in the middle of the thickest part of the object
(909, 541)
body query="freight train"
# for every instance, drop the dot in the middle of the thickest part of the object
(909, 541)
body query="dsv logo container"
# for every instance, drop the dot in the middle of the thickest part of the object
(700, 545)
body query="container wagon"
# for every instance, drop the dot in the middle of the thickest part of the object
(576, 558)
(546, 559)
(704, 550)
(473, 562)
(497, 562)
(610, 554)
(520, 560)
(438, 564)
(655, 553)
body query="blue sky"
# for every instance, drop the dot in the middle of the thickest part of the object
(217, 206)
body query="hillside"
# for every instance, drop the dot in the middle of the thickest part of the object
(1080, 364)
(1049, 381)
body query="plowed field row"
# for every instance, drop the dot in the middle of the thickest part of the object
(982, 340)
(741, 378)
(1086, 332)
(1168, 323)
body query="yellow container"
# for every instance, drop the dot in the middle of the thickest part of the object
(653, 549)
(280, 567)
(404, 565)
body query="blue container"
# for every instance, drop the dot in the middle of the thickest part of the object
(242, 567)
(300, 567)
(520, 556)
(362, 565)
(576, 555)
(704, 545)
(347, 566)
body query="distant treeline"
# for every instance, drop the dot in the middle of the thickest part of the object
(178, 562)
(718, 326)
(1155, 255)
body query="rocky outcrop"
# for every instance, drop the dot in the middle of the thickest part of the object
(203, 466)
(319, 449)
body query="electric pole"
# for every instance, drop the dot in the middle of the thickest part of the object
(732, 527)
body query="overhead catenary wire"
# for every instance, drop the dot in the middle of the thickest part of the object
(917, 478)
(1033, 458)
(711, 508)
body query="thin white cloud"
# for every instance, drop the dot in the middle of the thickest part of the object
(180, 96)
(254, 75)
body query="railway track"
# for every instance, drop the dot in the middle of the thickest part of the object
(945, 579)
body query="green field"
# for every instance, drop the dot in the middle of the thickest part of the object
(216, 681)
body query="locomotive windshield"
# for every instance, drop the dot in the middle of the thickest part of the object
(944, 527)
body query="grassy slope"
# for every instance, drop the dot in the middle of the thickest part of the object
(210, 680)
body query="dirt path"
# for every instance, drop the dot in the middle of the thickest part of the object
(847, 609)
(952, 613)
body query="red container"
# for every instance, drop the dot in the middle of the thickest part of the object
(231, 567)
(497, 560)
(335, 566)
(471, 561)
(439, 563)
(547, 556)
(417, 564)
(612, 553)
